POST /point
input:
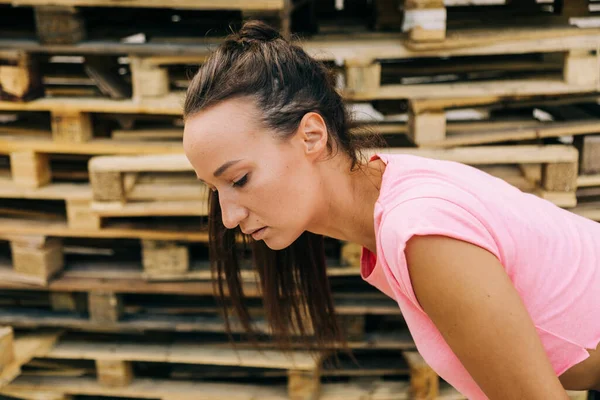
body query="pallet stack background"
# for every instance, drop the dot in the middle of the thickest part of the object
(105, 285)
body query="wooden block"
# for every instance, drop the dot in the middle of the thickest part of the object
(59, 25)
(164, 258)
(581, 68)
(363, 77)
(107, 185)
(427, 127)
(148, 80)
(20, 79)
(30, 169)
(304, 385)
(105, 307)
(424, 382)
(81, 216)
(350, 255)
(71, 126)
(40, 258)
(590, 154)
(7, 351)
(68, 301)
(425, 20)
(114, 373)
(559, 177)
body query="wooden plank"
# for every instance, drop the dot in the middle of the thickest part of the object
(102, 71)
(424, 382)
(185, 4)
(28, 227)
(150, 208)
(93, 146)
(53, 191)
(150, 163)
(26, 347)
(65, 301)
(113, 373)
(183, 353)
(362, 76)
(588, 180)
(153, 388)
(30, 169)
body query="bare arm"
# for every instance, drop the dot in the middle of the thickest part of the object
(469, 297)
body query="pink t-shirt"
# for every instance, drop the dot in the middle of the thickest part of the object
(552, 256)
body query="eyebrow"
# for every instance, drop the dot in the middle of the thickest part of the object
(219, 171)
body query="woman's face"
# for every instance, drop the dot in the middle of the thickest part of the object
(261, 181)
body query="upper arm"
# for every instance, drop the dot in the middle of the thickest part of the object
(467, 294)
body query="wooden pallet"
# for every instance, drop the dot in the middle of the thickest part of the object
(430, 20)
(108, 173)
(71, 21)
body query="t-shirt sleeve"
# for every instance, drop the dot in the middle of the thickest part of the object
(428, 216)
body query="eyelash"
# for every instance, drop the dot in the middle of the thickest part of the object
(241, 182)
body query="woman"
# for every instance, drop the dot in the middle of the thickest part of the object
(497, 286)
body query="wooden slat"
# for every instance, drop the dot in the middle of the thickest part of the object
(186, 4)
(184, 353)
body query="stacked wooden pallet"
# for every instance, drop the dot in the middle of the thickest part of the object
(104, 273)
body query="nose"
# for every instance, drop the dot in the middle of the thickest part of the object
(231, 212)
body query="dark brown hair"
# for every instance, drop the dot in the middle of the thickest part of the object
(285, 83)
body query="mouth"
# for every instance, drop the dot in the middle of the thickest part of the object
(256, 235)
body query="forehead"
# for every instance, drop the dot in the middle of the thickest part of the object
(225, 127)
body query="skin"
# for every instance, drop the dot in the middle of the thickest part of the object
(294, 187)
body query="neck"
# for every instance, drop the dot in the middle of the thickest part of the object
(347, 213)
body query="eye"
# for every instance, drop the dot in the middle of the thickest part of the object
(241, 182)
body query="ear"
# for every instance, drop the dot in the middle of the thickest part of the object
(312, 131)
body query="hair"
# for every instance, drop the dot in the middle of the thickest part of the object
(285, 83)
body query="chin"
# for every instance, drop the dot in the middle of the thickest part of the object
(279, 242)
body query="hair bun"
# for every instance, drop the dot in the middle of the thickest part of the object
(257, 31)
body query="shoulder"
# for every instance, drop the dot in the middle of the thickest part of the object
(431, 225)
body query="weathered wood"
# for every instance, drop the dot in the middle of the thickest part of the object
(581, 68)
(30, 169)
(114, 373)
(424, 382)
(425, 20)
(148, 79)
(304, 385)
(353, 327)
(59, 25)
(20, 79)
(66, 301)
(560, 177)
(427, 127)
(102, 70)
(164, 258)
(363, 76)
(81, 216)
(39, 257)
(107, 185)
(105, 307)
(71, 126)
(590, 154)
(7, 353)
